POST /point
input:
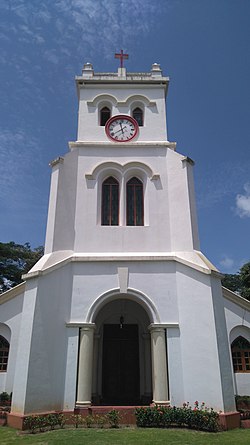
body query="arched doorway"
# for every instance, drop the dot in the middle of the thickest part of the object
(122, 355)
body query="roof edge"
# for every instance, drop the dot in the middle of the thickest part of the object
(12, 293)
(235, 298)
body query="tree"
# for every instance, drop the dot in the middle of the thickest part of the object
(239, 282)
(16, 260)
(245, 281)
(232, 282)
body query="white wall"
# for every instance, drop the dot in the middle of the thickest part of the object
(238, 323)
(10, 319)
(198, 344)
(154, 117)
(75, 202)
(40, 381)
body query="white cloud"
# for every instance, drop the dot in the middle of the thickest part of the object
(108, 25)
(243, 202)
(227, 262)
(93, 27)
(219, 180)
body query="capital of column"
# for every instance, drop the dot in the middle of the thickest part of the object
(87, 327)
(159, 327)
(82, 326)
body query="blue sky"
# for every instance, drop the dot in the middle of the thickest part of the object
(203, 45)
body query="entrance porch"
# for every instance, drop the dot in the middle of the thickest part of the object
(122, 358)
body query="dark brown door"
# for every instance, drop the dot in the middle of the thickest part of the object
(120, 381)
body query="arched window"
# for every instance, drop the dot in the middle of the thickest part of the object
(110, 202)
(4, 354)
(241, 354)
(134, 202)
(104, 115)
(138, 116)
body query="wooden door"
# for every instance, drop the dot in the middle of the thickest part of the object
(121, 381)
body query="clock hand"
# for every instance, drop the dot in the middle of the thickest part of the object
(117, 131)
(121, 127)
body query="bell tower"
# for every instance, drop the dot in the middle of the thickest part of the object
(122, 188)
(131, 309)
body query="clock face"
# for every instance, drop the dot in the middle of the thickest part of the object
(121, 128)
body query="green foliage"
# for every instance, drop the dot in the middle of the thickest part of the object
(114, 418)
(88, 420)
(5, 397)
(16, 260)
(232, 282)
(100, 420)
(51, 421)
(242, 402)
(77, 420)
(239, 282)
(42, 423)
(61, 420)
(200, 417)
(31, 423)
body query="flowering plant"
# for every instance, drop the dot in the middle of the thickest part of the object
(199, 417)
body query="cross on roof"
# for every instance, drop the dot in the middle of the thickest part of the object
(121, 56)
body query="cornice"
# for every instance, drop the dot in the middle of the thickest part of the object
(119, 257)
(237, 299)
(101, 144)
(56, 161)
(12, 293)
(80, 324)
(160, 326)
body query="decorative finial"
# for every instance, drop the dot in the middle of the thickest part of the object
(121, 56)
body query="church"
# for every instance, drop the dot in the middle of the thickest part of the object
(123, 309)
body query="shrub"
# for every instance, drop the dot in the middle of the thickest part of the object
(51, 420)
(200, 417)
(31, 423)
(113, 418)
(100, 420)
(34, 423)
(61, 420)
(242, 402)
(5, 397)
(77, 420)
(3, 417)
(42, 422)
(88, 420)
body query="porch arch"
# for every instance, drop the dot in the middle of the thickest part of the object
(122, 365)
(132, 294)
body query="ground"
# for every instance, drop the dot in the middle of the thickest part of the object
(125, 436)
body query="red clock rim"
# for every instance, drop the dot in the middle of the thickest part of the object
(121, 116)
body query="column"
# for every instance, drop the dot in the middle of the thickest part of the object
(96, 366)
(85, 366)
(147, 387)
(159, 365)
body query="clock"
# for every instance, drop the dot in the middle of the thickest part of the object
(121, 128)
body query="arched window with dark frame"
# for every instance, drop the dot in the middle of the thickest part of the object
(135, 207)
(241, 354)
(4, 354)
(105, 114)
(138, 116)
(110, 202)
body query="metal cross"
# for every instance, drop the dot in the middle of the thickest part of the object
(121, 56)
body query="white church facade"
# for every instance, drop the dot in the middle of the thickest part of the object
(123, 309)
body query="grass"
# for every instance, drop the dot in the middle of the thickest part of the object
(125, 436)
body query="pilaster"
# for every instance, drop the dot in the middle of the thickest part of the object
(85, 366)
(159, 365)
